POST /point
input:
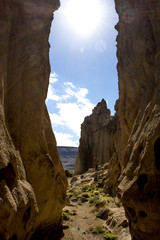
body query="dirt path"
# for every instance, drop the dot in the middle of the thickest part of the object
(86, 200)
(81, 223)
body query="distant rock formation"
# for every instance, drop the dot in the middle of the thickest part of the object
(96, 143)
(137, 139)
(68, 157)
(32, 180)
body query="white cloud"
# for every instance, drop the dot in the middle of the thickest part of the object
(51, 95)
(70, 92)
(83, 92)
(69, 84)
(72, 107)
(65, 139)
(79, 94)
(72, 115)
(56, 119)
(53, 78)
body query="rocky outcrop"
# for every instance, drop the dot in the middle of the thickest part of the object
(32, 180)
(96, 143)
(137, 139)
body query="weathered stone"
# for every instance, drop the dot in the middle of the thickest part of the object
(111, 178)
(32, 180)
(68, 173)
(117, 223)
(74, 179)
(103, 214)
(96, 143)
(138, 109)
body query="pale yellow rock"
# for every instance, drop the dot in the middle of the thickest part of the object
(32, 180)
(137, 139)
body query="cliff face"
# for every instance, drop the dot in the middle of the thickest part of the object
(137, 139)
(32, 180)
(96, 143)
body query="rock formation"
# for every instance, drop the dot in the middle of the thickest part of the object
(112, 175)
(137, 139)
(32, 180)
(96, 143)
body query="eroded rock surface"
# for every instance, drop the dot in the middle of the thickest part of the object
(96, 143)
(137, 139)
(32, 180)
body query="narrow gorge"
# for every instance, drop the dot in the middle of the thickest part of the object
(33, 183)
(136, 141)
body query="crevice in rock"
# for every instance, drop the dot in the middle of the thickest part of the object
(142, 180)
(141, 149)
(157, 153)
(14, 237)
(27, 215)
(8, 175)
(2, 237)
(142, 214)
(131, 212)
(134, 238)
(48, 232)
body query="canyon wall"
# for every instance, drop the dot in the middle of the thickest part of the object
(137, 139)
(32, 180)
(96, 142)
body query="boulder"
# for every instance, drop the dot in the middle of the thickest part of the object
(103, 214)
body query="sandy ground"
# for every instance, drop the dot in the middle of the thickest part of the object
(81, 224)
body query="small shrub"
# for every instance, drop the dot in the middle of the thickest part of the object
(93, 200)
(96, 192)
(110, 199)
(109, 236)
(77, 191)
(100, 203)
(65, 216)
(98, 230)
(86, 195)
(86, 189)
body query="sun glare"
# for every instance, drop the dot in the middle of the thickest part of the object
(83, 15)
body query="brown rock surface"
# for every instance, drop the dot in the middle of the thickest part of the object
(112, 176)
(32, 180)
(137, 139)
(96, 143)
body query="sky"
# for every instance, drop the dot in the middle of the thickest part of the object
(83, 65)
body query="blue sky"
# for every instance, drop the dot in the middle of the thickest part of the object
(83, 68)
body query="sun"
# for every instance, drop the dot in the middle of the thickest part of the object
(84, 16)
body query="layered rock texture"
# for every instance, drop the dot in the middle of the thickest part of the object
(96, 143)
(32, 180)
(137, 139)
